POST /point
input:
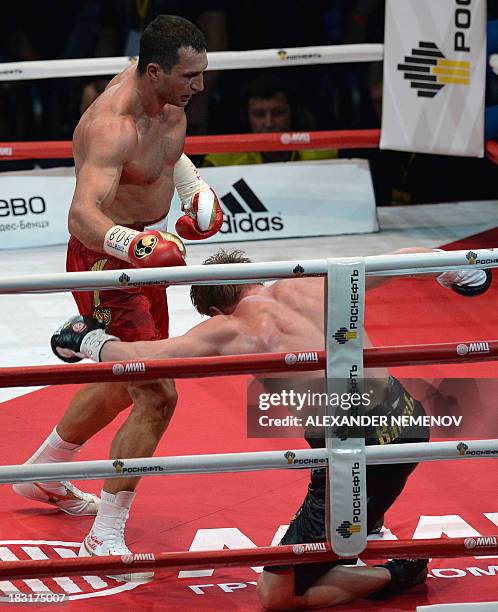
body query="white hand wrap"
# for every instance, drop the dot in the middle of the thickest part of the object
(187, 181)
(92, 344)
(118, 240)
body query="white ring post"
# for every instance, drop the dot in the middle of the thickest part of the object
(347, 497)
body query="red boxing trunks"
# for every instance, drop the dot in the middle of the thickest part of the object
(135, 313)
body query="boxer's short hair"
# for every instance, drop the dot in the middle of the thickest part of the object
(221, 296)
(164, 37)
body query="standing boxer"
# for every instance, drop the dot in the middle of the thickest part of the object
(128, 152)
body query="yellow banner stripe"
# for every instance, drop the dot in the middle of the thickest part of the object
(453, 81)
(451, 71)
(453, 64)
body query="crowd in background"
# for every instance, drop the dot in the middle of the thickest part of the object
(331, 97)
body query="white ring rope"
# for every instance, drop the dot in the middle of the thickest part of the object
(402, 264)
(218, 60)
(412, 452)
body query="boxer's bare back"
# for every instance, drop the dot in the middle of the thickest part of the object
(125, 148)
(285, 316)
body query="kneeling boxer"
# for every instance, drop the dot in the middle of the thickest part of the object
(327, 584)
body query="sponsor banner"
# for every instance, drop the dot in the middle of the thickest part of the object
(271, 201)
(346, 448)
(291, 200)
(33, 210)
(434, 76)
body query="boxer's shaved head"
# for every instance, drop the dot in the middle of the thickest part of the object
(204, 297)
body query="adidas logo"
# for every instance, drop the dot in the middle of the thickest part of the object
(249, 216)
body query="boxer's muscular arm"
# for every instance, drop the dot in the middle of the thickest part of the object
(217, 336)
(465, 282)
(376, 281)
(108, 143)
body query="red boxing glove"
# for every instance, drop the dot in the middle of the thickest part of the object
(155, 249)
(149, 249)
(203, 216)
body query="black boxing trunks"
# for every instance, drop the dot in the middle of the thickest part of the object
(384, 485)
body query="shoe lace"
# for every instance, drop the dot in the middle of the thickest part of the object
(118, 543)
(76, 492)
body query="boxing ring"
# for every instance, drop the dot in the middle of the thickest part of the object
(380, 356)
(388, 356)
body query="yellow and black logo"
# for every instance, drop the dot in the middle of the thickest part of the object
(290, 456)
(118, 466)
(282, 54)
(103, 315)
(145, 246)
(298, 270)
(124, 279)
(346, 529)
(471, 256)
(461, 448)
(342, 335)
(429, 71)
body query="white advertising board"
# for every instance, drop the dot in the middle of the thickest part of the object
(290, 200)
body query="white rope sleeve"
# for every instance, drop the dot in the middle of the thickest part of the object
(218, 60)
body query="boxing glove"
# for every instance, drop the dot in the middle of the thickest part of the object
(469, 283)
(80, 337)
(148, 249)
(203, 215)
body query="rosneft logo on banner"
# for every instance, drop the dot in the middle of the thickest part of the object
(286, 56)
(428, 70)
(346, 529)
(471, 257)
(118, 466)
(290, 456)
(342, 335)
(463, 450)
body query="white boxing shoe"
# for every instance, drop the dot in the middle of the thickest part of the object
(112, 543)
(63, 495)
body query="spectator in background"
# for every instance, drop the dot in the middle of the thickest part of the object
(268, 107)
(53, 30)
(491, 118)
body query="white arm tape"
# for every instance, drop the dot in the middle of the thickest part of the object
(117, 241)
(92, 344)
(187, 179)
